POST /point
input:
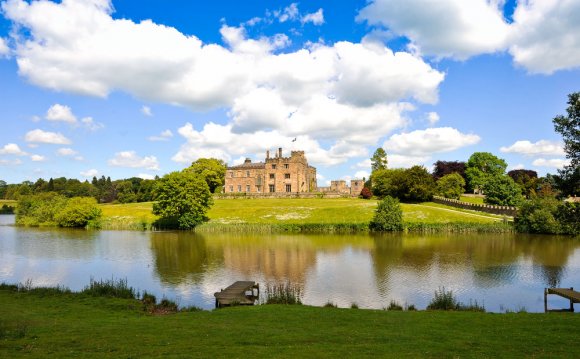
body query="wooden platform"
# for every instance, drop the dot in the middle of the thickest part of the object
(568, 293)
(239, 293)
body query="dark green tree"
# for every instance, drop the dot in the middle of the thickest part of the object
(183, 199)
(212, 170)
(569, 127)
(379, 160)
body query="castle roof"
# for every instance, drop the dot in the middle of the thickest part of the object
(248, 165)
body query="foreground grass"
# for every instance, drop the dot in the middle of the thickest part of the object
(39, 325)
(300, 215)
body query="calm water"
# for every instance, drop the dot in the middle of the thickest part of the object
(500, 271)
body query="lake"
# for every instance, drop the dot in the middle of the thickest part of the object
(501, 271)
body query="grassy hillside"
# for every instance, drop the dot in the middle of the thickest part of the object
(40, 325)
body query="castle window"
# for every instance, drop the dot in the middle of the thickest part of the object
(287, 175)
(273, 166)
(247, 173)
(232, 174)
(247, 188)
(231, 188)
(272, 176)
(288, 188)
(272, 188)
(286, 165)
(239, 188)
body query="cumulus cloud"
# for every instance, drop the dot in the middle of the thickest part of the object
(432, 118)
(444, 28)
(89, 173)
(146, 176)
(163, 136)
(362, 174)
(432, 140)
(91, 124)
(539, 148)
(546, 35)
(290, 12)
(397, 161)
(40, 136)
(146, 110)
(37, 158)
(316, 18)
(553, 162)
(14, 162)
(130, 159)
(12, 149)
(4, 49)
(61, 113)
(65, 151)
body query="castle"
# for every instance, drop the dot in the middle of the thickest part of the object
(279, 174)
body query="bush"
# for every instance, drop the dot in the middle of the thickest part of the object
(411, 185)
(451, 186)
(78, 212)
(501, 190)
(568, 216)
(388, 216)
(366, 193)
(548, 216)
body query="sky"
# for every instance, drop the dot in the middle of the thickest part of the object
(143, 88)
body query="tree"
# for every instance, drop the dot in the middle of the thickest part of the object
(388, 216)
(526, 179)
(442, 168)
(212, 170)
(481, 166)
(379, 160)
(366, 193)
(451, 186)
(501, 190)
(408, 185)
(569, 127)
(388, 182)
(78, 212)
(3, 188)
(183, 199)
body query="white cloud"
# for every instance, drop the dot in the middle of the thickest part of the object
(546, 35)
(553, 162)
(541, 148)
(91, 124)
(433, 118)
(163, 136)
(146, 110)
(404, 161)
(519, 166)
(12, 149)
(62, 113)
(65, 151)
(89, 173)
(37, 158)
(361, 174)
(316, 18)
(40, 136)
(432, 140)
(443, 28)
(4, 49)
(289, 13)
(130, 159)
(14, 162)
(146, 176)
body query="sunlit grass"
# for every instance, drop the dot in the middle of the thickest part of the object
(476, 200)
(7, 202)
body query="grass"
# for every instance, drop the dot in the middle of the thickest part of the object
(74, 325)
(470, 199)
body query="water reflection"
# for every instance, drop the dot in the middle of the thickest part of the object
(502, 270)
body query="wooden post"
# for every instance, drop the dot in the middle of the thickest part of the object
(571, 302)
(545, 300)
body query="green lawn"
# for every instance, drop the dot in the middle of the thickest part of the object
(72, 325)
(476, 200)
(298, 211)
(7, 202)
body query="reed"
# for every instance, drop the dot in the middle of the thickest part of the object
(284, 293)
(110, 288)
(445, 300)
(459, 227)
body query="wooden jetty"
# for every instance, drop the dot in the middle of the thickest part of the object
(568, 293)
(239, 293)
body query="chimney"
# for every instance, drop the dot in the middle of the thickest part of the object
(248, 160)
(268, 154)
(280, 152)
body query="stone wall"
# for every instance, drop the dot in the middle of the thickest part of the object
(281, 195)
(501, 210)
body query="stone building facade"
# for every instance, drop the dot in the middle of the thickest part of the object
(276, 174)
(340, 186)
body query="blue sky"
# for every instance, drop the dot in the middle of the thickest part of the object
(142, 88)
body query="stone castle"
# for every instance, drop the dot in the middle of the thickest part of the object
(282, 175)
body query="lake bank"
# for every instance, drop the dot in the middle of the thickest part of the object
(72, 325)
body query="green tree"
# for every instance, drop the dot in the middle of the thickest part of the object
(183, 198)
(40, 209)
(3, 188)
(388, 182)
(212, 170)
(451, 186)
(569, 127)
(379, 160)
(388, 216)
(481, 166)
(501, 190)
(419, 185)
(78, 212)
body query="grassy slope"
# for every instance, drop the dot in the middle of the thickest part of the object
(476, 200)
(79, 326)
(270, 211)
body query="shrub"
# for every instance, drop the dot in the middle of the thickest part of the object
(501, 190)
(394, 306)
(282, 294)
(444, 300)
(78, 212)
(537, 216)
(451, 186)
(109, 288)
(366, 193)
(388, 216)
(568, 217)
